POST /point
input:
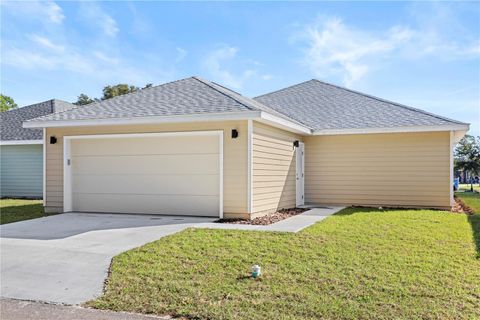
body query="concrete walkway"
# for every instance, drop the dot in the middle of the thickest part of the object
(292, 224)
(65, 258)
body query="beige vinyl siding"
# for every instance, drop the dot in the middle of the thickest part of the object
(273, 169)
(397, 169)
(234, 153)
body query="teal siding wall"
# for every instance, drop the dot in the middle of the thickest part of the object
(21, 171)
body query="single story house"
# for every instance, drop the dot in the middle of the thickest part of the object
(21, 150)
(194, 147)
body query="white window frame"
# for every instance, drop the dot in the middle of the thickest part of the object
(67, 172)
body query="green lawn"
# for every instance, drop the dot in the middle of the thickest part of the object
(471, 199)
(467, 187)
(13, 210)
(359, 264)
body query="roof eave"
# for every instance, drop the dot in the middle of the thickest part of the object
(260, 116)
(433, 128)
(283, 123)
(20, 142)
(244, 115)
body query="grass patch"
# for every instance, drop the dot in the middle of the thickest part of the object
(471, 199)
(13, 210)
(358, 264)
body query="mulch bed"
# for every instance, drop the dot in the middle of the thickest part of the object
(267, 219)
(461, 207)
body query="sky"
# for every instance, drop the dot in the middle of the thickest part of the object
(425, 55)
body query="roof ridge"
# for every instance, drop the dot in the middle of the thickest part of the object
(283, 89)
(211, 85)
(260, 107)
(53, 108)
(226, 88)
(389, 101)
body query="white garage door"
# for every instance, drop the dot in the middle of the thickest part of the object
(173, 174)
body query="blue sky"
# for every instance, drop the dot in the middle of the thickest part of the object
(425, 55)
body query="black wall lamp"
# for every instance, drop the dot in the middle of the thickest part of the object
(53, 140)
(296, 143)
(234, 133)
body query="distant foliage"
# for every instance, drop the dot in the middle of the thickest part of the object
(7, 103)
(83, 99)
(467, 155)
(110, 92)
(117, 90)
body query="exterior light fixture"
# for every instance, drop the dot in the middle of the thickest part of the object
(53, 140)
(296, 143)
(234, 133)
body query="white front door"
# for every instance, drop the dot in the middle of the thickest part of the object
(300, 175)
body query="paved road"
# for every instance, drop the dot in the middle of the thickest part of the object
(26, 310)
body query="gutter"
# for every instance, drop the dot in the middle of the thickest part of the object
(446, 127)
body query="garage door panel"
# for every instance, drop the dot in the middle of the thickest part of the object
(152, 184)
(147, 204)
(174, 175)
(146, 145)
(147, 164)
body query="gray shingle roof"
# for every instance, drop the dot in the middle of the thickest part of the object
(11, 121)
(314, 104)
(182, 97)
(324, 106)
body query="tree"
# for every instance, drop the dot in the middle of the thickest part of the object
(467, 156)
(110, 92)
(117, 90)
(83, 99)
(7, 103)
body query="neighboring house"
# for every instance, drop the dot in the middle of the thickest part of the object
(193, 147)
(21, 150)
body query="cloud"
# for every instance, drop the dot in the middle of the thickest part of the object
(181, 54)
(53, 11)
(96, 16)
(105, 58)
(37, 59)
(46, 43)
(332, 48)
(221, 64)
(46, 11)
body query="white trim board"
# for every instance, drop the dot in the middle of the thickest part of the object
(452, 146)
(67, 172)
(249, 166)
(19, 142)
(283, 123)
(226, 116)
(449, 127)
(261, 116)
(44, 175)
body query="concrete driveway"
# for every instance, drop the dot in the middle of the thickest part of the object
(65, 258)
